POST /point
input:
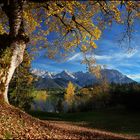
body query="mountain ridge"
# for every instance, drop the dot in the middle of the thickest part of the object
(79, 78)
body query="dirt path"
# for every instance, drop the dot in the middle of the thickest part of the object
(87, 133)
(16, 124)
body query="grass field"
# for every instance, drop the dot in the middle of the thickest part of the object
(118, 121)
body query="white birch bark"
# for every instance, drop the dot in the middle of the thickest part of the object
(16, 59)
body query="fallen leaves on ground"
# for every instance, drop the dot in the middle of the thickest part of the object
(16, 124)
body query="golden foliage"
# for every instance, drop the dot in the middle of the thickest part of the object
(69, 96)
(30, 21)
(84, 91)
(40, 95)
(77, 24)
(2, 31)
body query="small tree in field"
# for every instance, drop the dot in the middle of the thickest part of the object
(69, 96)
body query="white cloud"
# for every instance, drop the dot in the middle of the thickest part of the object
(78, 56)
(128, 54)
(102, 57)
(75, 57)
(115, 58)
(134, 76)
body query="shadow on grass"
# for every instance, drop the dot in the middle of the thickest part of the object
(118, 121)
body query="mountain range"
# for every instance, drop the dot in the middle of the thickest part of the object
(60, 80)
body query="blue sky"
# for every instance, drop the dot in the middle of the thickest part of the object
(109, 53)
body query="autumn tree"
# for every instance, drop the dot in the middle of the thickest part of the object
(21, 86)
(69, 96)
(77, 24)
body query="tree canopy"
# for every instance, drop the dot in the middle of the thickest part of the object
(77, 24)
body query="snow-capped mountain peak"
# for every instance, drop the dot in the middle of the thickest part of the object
(80, 78)
(42, 73)
(65, 74)
(38, 72)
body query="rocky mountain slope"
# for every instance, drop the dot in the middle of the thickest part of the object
(80, 79)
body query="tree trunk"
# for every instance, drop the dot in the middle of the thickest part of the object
(16, 46)
(16, 59)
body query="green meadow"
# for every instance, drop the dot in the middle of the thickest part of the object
(114, 120)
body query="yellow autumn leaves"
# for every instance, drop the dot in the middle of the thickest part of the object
(75, 19)
(69, 96)
(1, 29)
(31, 22)
(91, 45)
(84, 48)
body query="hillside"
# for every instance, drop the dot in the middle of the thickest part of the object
(16, 124)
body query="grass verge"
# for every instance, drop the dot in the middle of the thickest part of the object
(113, 120)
